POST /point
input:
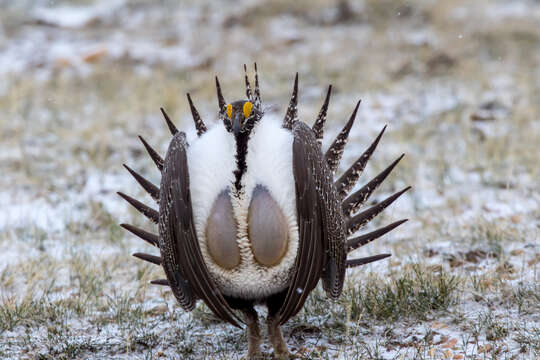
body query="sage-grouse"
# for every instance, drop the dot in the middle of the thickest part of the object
(249, 213)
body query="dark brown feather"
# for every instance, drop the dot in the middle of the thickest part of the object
(150, 188)
(361, 219)
(248, 85)
(318, 126)
(291, 116)
(257, 91)
(222, 107)
(180, 247)
(347, 181)
(199, 123)
(335, 151)
(351, 204)
(150, 258)
(153, 154)
(170, 124)
(221, 100)
(355, 243)
(142, 208)
(311, 254)
(320, 224)
(366, 260)
(152, 239)
(163, 282)
(314, 263)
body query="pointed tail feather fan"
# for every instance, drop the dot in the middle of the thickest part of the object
(327, 214)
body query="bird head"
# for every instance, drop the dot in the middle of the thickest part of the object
(242, 115)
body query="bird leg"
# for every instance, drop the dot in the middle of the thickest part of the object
(254, 333)
(276, 337)
(273, 303)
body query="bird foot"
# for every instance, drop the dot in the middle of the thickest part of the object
(282, 354)
(254, 348)
(254, 354)
(281, 351)
(254, 334)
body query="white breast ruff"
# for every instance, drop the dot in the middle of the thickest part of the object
(211, 162)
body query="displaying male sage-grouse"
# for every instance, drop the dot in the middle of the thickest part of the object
(249, 213)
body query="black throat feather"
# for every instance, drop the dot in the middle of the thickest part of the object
(241, 150)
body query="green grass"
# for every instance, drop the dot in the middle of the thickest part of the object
(416, 293)
(527, 298)
(529, 340)
(29, 313)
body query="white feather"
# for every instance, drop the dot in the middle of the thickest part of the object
(211, 162)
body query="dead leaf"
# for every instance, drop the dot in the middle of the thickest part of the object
(438, 325)
(95, 55)
(450, 344)
(435, 268)
(485, 348)
(516, 218)
(505, 268)
(159, 309)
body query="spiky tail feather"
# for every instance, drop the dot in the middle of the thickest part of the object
(352, 203)
(257, 91)
(199, 123)
(248, 85)
(348, 180)
(335, 151)
(156, 260)
(318, 126)
(156, 158)
(147, 211)
(153, 190)
(291, 116)
(150, 188)
(222, 104)
(170, 124)
(149, 237)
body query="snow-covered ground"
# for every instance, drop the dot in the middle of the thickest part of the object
(456, 82)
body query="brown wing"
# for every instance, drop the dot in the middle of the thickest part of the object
(318, 253)
(182, 259)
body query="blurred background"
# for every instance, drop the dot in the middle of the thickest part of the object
(456, 81)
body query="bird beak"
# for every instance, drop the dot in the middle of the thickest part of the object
(237, 125)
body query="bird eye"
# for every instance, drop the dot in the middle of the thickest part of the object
(247, 108)
(229, 110)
